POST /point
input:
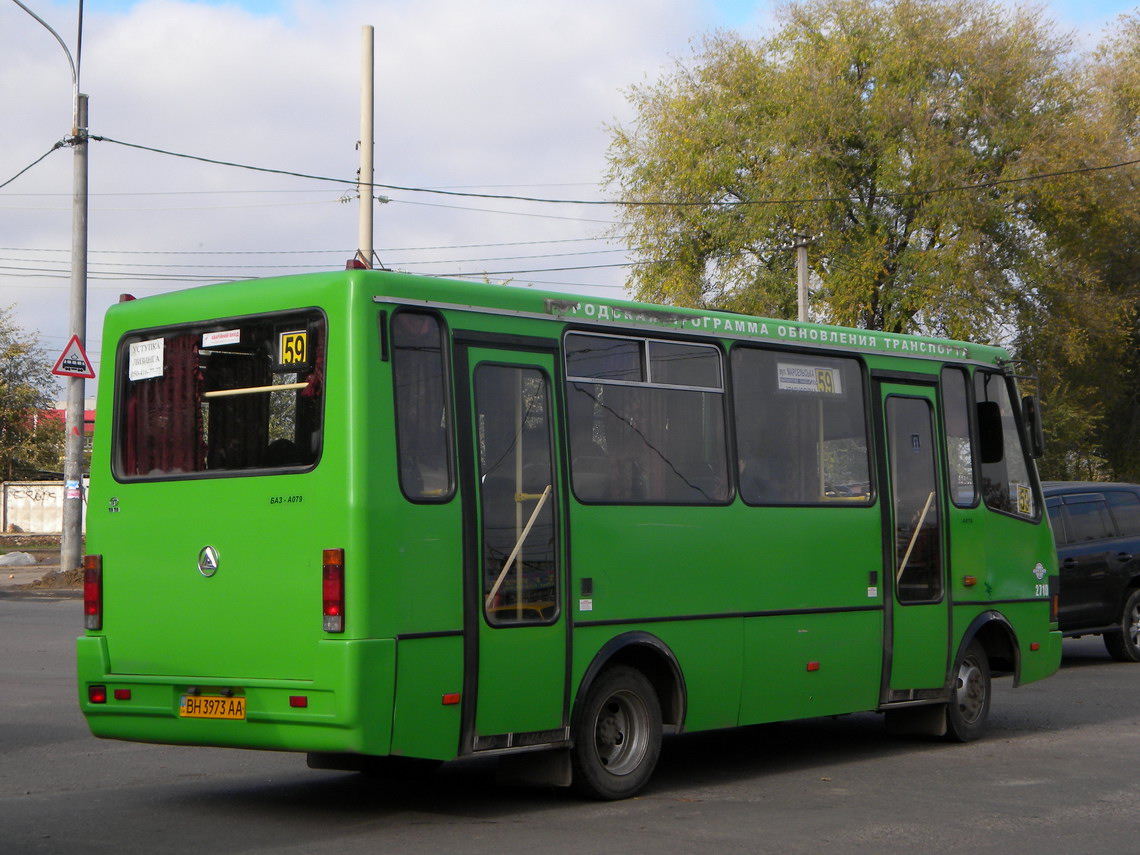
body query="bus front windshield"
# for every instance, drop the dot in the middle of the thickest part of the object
(228, 396)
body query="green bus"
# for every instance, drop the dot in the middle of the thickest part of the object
(376, 517)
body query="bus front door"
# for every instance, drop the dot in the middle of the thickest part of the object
(917, 654)
(515, 623)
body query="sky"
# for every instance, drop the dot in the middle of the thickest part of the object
(497, 97)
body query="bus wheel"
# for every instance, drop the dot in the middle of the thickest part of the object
(1124, 646)
(617, 735)
(969, 705)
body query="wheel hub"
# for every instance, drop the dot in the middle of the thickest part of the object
(971, 691)
(619, 733)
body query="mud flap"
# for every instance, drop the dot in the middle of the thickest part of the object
(536, 768)
(928, 720)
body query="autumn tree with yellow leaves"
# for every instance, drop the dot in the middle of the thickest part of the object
(954, 167)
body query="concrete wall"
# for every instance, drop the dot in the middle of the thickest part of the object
(35, 507)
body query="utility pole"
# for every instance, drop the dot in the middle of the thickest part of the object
(802, 277)
(71, 541)
(367, 119)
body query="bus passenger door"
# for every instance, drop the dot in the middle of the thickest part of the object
(918, 616)
(515, 622)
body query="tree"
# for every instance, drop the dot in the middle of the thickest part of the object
(29, 442)
(881, 130)
(1080, 324)
(947, 160)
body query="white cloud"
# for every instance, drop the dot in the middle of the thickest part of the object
(488, 93)
(500, 92)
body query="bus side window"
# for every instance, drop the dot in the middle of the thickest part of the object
(801, 428)
(1006, 484)
(959, 447)
(423, 418)
(646, 420)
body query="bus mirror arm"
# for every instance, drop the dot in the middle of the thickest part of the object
(518, 546)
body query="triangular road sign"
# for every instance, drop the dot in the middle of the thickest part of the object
(73, 362)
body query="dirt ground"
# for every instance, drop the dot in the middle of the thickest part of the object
(56, 578)
(45, 549)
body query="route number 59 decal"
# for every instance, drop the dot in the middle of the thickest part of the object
(293, 348)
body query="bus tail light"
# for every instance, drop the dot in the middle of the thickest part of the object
(332, 586)
(93, 591)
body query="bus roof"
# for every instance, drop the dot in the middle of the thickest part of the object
(242, 297)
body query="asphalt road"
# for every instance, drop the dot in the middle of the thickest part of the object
(1057, 774)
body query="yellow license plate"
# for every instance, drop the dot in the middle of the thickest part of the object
(211, 706)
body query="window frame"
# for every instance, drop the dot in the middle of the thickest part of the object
(554, 500)
(864, 385)
(1104, 514)
(312, 315)
(570, 379)
(1034, 481)
(971, 432)
(447, 395)
(1109, 495)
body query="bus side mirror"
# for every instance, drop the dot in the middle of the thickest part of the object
(1034, 430)
(991, 443)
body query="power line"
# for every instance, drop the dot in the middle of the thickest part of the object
(901, 194)
(58, 145)
(616, 202)
(468, 275)
(506, 213)
(436, 261)
(338, 252)
(118, 275)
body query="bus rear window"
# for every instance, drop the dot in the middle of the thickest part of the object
(227, 396)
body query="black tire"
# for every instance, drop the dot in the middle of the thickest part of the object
(969, 707)
(617, 735)
(1124, 646)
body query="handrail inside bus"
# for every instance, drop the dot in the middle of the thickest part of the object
(249, 390)
(914, 536)
(518, 545)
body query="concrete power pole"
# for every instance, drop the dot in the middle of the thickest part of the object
(71, 541)
(364, 250)
(802, 277)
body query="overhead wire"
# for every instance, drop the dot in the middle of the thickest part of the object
(899, 194)
(58, 145)
(517, 198)
(354, 182)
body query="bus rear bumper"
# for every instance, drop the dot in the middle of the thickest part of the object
(347, 706)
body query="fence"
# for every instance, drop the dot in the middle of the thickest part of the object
(34, 507)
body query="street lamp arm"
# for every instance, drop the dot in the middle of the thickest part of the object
(70, 61)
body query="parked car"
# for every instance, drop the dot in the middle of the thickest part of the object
(1097, 530)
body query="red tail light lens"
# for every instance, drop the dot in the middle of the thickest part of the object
(93, 591)
(332, 585)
